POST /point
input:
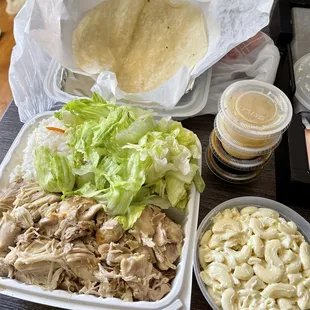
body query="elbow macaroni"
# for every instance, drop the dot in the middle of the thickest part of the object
(254, 259)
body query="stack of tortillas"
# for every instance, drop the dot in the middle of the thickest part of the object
(145, 42)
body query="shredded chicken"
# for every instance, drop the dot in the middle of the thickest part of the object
(75, 246)
(9, 230)
(8, 197)
(110, 231)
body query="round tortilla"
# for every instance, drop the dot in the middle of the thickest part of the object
(145, 42)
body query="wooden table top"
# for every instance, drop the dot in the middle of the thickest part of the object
(215, 193)
(6, 44)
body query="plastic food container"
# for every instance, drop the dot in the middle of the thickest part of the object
(178, 298)
(302, 80)
(232, 162)
(63, 85)
(228, 174)
(238, 149)
(245, 140)
(256, 109)
(284, 211)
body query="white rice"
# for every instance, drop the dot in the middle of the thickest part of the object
(55, 141)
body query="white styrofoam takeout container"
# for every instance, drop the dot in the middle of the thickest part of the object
(178, 298)
(189, 105)
(239, 203)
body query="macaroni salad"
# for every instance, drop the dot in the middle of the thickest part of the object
(254, 259)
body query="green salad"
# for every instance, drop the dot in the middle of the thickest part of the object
(123, 157)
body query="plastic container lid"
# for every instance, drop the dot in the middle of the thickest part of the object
(63, 85)
(285, 212)
(244, 139)
(256, 109)
(237, 149)
(228, 174)
(302, 80)
(238, 164)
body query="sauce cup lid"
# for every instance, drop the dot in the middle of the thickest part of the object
(228, 175)
(238, 147)
(235, 163)
(256, 109)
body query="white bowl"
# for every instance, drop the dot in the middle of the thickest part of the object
(239, 203)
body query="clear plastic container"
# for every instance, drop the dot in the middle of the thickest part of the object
(238, 164)
(238, 149)
(256, 109)
(284, 211)
(62, 85)
(228, 174)
(302, 78)
(178, 298)
(251, 142)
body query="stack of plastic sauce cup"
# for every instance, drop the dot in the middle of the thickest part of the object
(252, 118)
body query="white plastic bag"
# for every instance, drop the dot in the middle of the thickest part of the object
(29, 64)
(257, 58)
(49, 24)
(228, 23)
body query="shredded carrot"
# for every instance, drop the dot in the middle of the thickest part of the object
(55, 129)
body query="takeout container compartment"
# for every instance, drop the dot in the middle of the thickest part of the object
(302, 80)
(228, 174)
(238, 149)
(63, 85)
(178, 297)
(235, 163)
(256, 109)
(284, 211)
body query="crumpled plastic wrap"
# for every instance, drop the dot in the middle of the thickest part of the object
(44, 29)
(257, 58)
